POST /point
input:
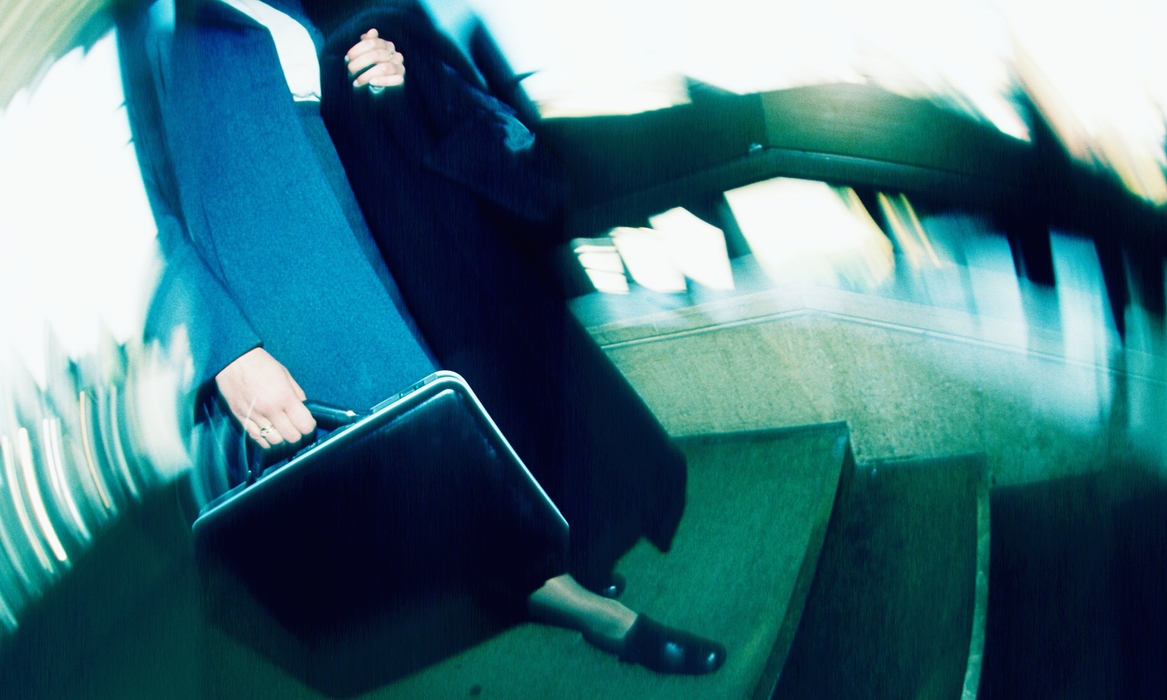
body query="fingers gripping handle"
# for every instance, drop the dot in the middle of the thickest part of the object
(328, 417)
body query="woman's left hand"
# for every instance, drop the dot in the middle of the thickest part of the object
(379, 57)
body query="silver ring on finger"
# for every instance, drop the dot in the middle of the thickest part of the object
(264, 432)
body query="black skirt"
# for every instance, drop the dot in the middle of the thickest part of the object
(488, 311)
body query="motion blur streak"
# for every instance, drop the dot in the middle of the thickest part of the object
(6, 615)
(647, 259)
(1084, 314)
(89, 419)
(77, 238)
(910, 235)
(602, 264)
(1097, 73)
(87, 445)
(73, 494)
(33, 33)
(1096, 70)
(22, 512)
(806, 232)
(50, 432)
(696, 248)
(1067, 359)
(113, 435)
(24, 450)
(6, 540)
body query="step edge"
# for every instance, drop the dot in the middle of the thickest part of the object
(767, 681)
(976, 648)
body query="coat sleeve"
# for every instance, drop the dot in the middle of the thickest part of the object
(189, 295)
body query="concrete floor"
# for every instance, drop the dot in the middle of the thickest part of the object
(933, 362)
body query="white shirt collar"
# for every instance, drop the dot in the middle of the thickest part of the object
(294, 46)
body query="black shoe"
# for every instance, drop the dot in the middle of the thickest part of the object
(667, 650)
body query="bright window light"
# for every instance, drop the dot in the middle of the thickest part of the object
(77, 238)
(601, 262)
(909, 233)
(806, 232)
(694, 247)
(648, 260)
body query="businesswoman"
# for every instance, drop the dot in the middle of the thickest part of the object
(337, 230)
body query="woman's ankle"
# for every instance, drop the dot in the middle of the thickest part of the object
(564, 602)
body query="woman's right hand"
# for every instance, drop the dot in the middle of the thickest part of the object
(375, 62)
(265, 399)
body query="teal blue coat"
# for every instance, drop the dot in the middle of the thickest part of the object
(258, 247)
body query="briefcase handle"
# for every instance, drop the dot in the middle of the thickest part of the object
(328, 417)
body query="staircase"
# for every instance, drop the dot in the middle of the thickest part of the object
(825, 577)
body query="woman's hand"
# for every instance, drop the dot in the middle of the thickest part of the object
(265, 399)
(384, 64)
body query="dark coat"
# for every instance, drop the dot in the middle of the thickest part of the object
(486, 307)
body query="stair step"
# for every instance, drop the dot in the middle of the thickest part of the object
(1079, 598)
(897, 608)
(739, 571)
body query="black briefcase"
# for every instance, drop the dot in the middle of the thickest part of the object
(418, 514)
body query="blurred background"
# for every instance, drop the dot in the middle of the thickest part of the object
(943, 223)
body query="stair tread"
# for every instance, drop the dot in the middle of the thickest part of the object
(758, 507)
(893, 607)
